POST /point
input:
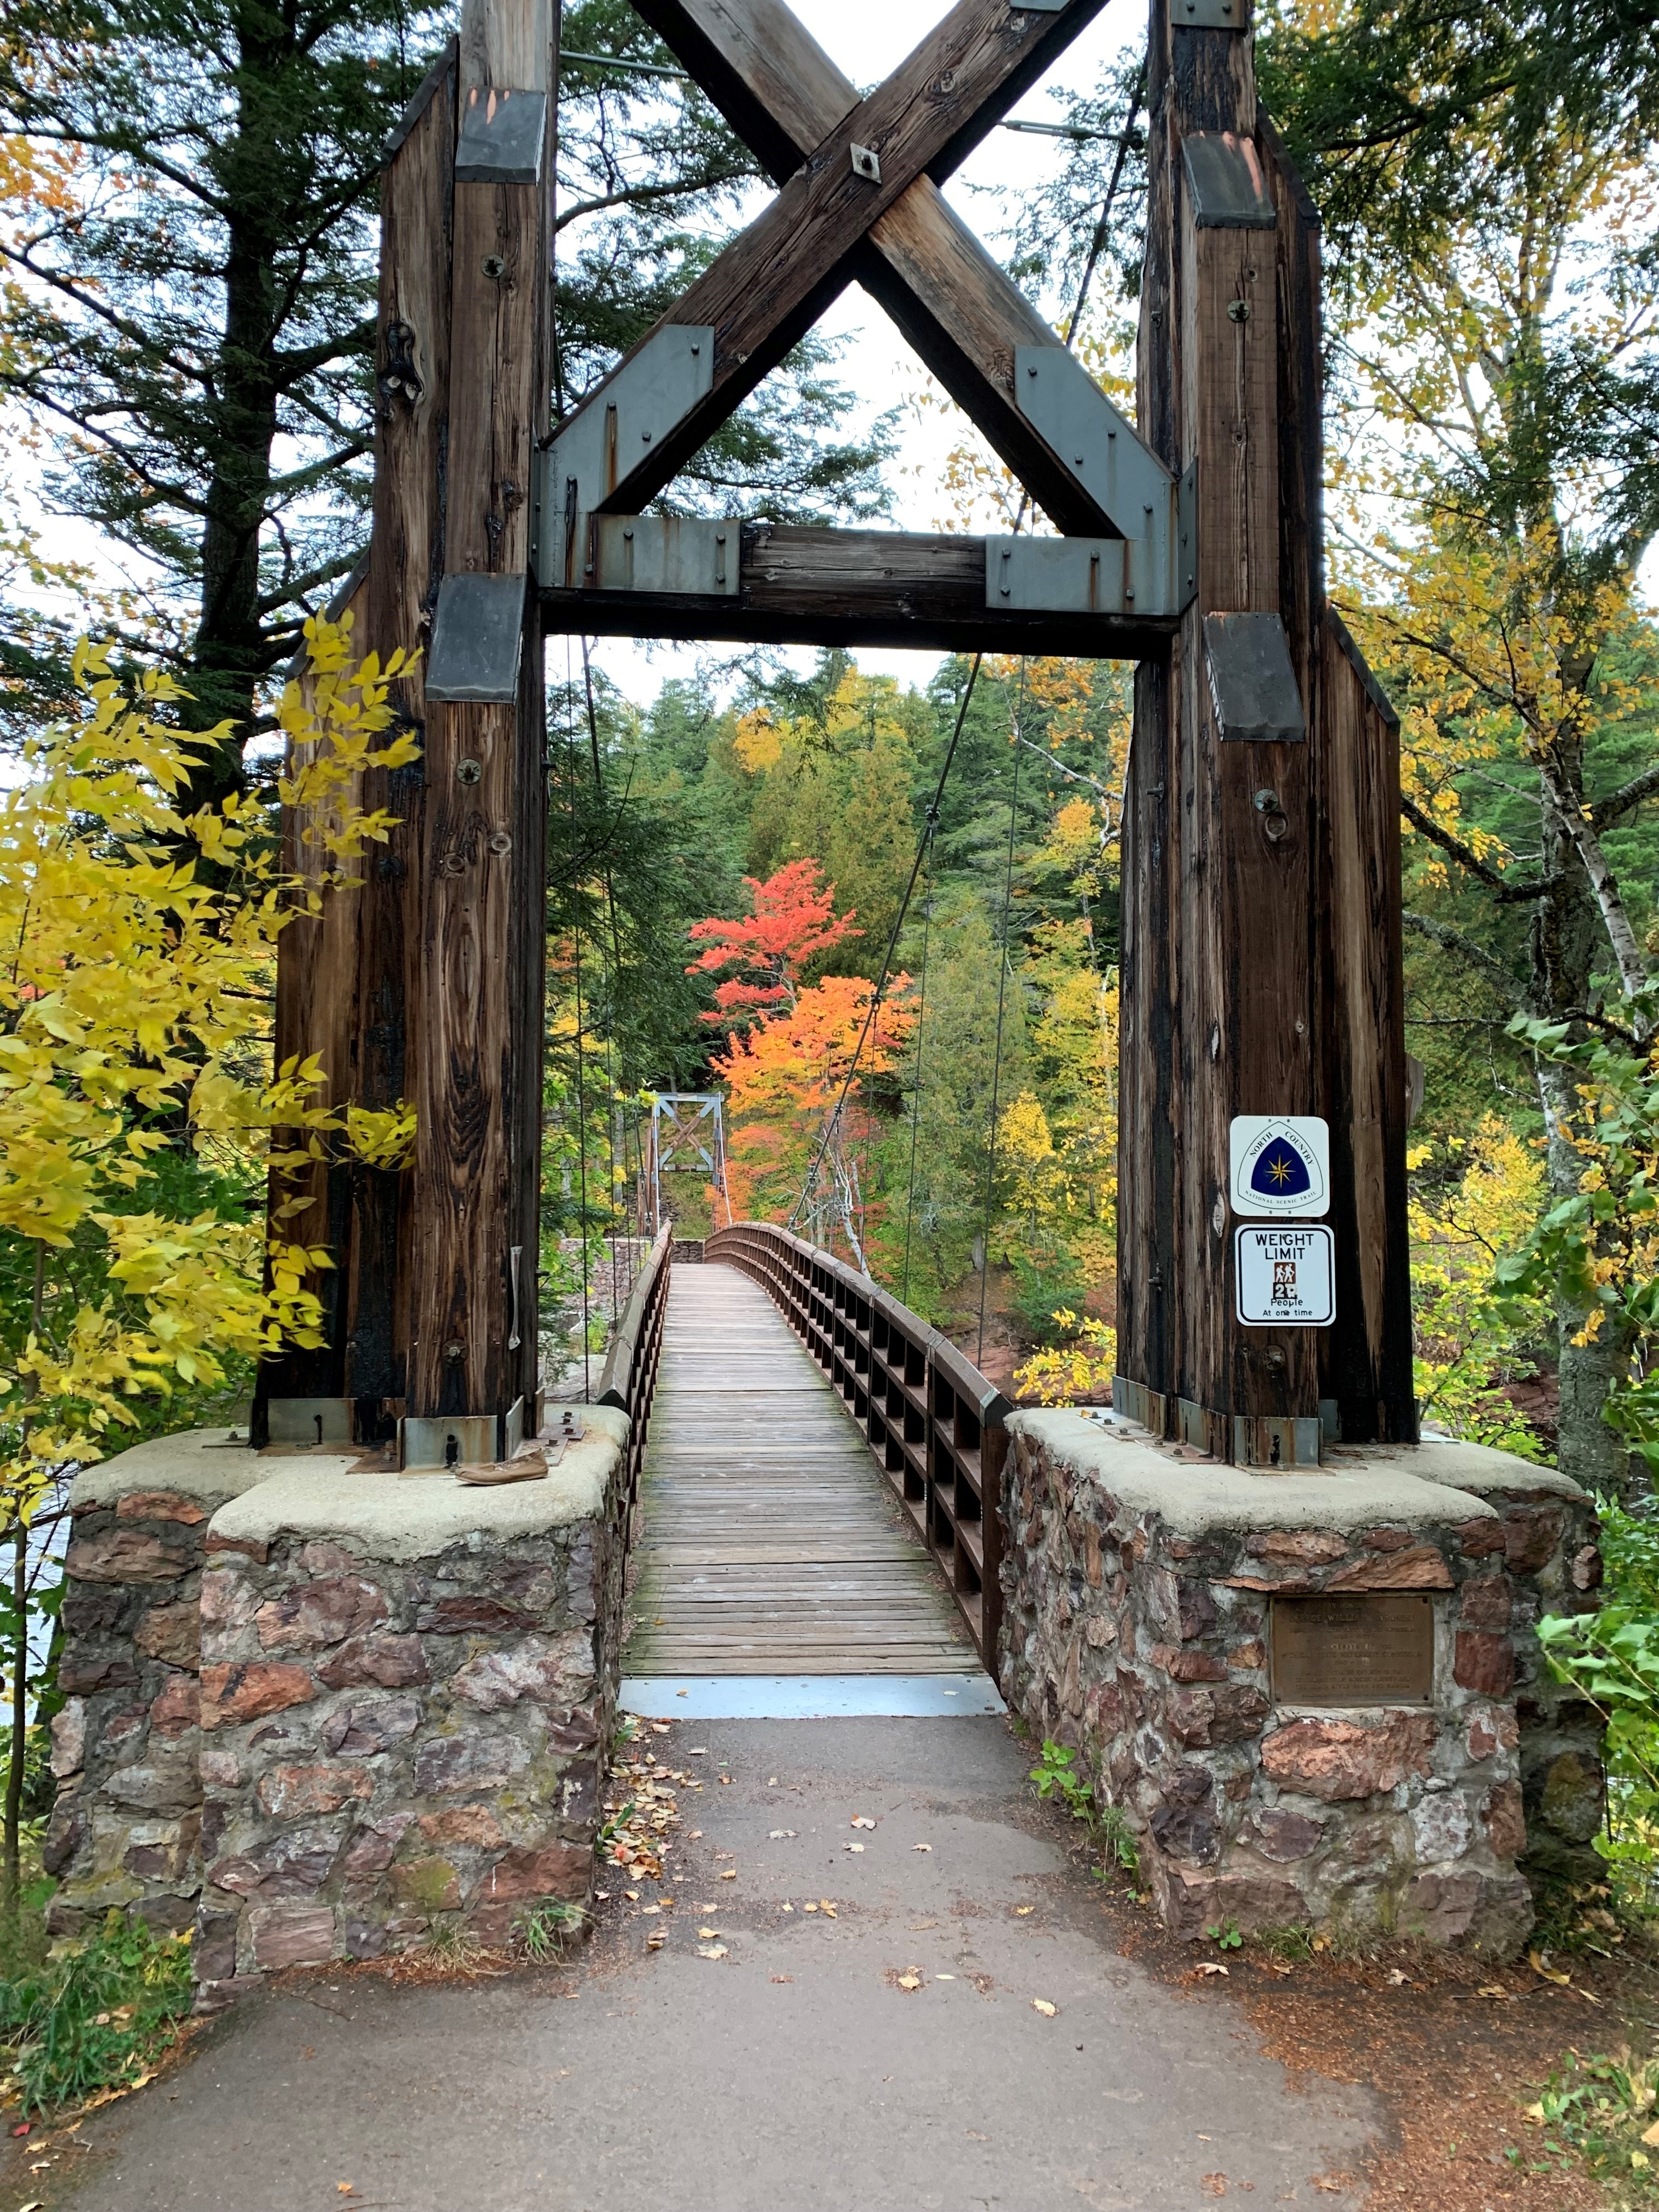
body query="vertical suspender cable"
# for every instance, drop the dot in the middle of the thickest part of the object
(996, 1060)
(576, 955)
(921, 1023)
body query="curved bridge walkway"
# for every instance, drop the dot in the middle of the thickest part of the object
(772, 1547)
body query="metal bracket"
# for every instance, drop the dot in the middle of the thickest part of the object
(660, 553)
(1210, 14)
(514, 1339)
(478, 636)
(309, 1421)
(1151, 575)
(1225, 183)
(455, 1440)
(1068, 410)
(503, 135)
(1252, 683)
(1275, 1441)
(645, 398)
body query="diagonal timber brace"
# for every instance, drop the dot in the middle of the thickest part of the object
(832, 222)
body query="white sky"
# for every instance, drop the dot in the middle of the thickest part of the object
(868, 39)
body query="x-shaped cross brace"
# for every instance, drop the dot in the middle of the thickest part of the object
(860, 199)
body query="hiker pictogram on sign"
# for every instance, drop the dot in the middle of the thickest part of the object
(1284, 1276)
(1280, 1164)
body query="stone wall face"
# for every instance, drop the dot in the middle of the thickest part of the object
(389, 1748)
(124, 1829)
(1147, 1649)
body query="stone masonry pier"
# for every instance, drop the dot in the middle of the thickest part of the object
(1140, 1583)
(319, 1712)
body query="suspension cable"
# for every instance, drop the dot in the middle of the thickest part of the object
(996, 1057)
(576, 956)
(828, 1131)
(922, 1023)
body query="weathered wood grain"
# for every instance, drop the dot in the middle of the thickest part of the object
(809, 587)
(404, 569)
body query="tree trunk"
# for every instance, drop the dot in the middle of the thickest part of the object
(19, 1676)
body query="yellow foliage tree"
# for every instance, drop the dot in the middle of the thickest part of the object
(135, 1010)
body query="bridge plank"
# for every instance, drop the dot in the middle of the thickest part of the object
(771, 1544)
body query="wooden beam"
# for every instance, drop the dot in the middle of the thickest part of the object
(481, 858)
(854, 587)
(777, 276)
(958, 310)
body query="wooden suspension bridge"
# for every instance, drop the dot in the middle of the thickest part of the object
(1261, 942)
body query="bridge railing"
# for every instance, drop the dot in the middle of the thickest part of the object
(629, 1377)
(933, 1422)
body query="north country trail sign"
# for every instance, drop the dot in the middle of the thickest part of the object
(1280, 1164)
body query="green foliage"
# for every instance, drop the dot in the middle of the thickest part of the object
(543, 1931)
(1599, 2111)
(95, 2016)
(1225, 1935)
(1118, 1838)
(1054, 1777)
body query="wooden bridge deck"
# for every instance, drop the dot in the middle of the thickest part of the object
(772, 1544)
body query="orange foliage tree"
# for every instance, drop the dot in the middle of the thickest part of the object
(784, 1078)
(794, 918)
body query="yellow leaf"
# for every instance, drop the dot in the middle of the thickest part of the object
(1043, 2005)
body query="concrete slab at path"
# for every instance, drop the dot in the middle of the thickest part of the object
(792, 2072)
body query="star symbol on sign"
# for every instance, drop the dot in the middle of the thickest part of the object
(1279, 1169)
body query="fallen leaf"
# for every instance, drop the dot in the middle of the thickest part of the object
(861, 1820)
(696, 1751)
(786, 1907)
(655, 1941)
(711, 1950)
(602, 1897)
(709, 1934)
(825, 1906)
(809, 1908)
(1214, 2185)
(728, 1874)
(35, 2204)
(1331, 2184)
(1398, 1979)
(1491, 1990)
(917, 1926)
(681, 1694)
(771, 1781)
(1020, 1910)
(1279, 1966)
(782, 1977)
(909, 1981)
(852, 1847)
(777, 1835)
(1210, 1966)
(944, 1978)
(1535, 1959)
(1651, 2137)
(1043, 2005)
(632, 1895)
(922, 1847)
(650, 1909)
(23, 2129)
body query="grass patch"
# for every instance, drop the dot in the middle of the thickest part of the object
(95, 2016)
(1599, 2111)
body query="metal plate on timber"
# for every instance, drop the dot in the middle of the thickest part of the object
(478, 636)
(662, 553)
(1370, 1648)
(1074, 417)
(1272, 1440)
(1147, 576)
(1209, 14)
(427, 1442)
(502, 134)
(595, 449)
(1226, 183)
(1252, 683)
(309, 1421)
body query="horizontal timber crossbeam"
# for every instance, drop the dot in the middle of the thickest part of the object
(856, 587)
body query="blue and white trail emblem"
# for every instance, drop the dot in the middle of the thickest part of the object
(1281, 1165)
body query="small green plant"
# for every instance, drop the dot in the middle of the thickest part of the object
(1054, 1777)
(1117, 1838)
(95, 2016)
(1227, 1938)
(1602, 2108)
(1293, 1942)
(545, 1928)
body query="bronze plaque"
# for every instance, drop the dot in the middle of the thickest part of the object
(1370, 1648)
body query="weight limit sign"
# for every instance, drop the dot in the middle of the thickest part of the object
(1285, 1277)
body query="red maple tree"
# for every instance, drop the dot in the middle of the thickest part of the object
(793, 918)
